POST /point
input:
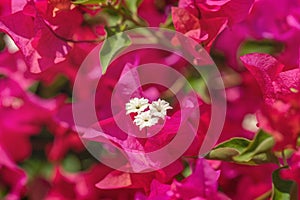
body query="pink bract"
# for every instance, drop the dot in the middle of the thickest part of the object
(12, 177)
(205, 20)
(280, 89)
(201, 184)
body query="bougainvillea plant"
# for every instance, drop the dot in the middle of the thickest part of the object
(46, 154)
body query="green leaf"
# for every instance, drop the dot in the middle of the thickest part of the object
(114, 30)
(262, 143)
(187, 171)
(111, 47)
(286, 152)
(133, 5)
(168, 23)
(243, 151)
(283, 189)
(112, 20)
(262, 158)
(34, 87)
(199, 85)
(227, 150)
(261, 46)
(35, 167)
(71, 164)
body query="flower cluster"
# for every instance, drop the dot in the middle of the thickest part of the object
(147, 114)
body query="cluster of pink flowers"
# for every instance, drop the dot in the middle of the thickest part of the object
(254, 43)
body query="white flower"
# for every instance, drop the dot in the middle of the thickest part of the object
(145, 119)
(136, 105)
(159, 108)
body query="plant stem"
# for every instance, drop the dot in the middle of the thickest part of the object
(284, 158)
(131, 18)
(265, 196)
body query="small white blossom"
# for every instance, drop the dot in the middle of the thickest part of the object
(159, 108)
(147, 114)
(13, 102)
(249, 123)
(136, 105)
(145, 119)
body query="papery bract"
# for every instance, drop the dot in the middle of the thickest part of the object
(195, 18)
(47, 38)
(279, 114)
(22, 115)
(81, 185)
(30, 41)
(201, 184)
(13, 66)
(12, 177)
(117, 133)
(65, 137)
(234, 178)
(278, 24)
